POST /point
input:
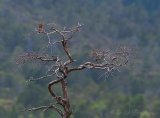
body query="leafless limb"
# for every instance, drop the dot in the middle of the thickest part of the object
(45, 108)
(39, 78)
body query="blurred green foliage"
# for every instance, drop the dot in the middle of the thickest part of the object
(132, 93)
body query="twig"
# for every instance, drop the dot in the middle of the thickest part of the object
(39, 78)
(45, 108)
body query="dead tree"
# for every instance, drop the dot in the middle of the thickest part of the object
(103, 59)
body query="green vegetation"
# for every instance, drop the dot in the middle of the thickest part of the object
(131, 93)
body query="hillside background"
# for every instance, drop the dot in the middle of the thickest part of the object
(134, 92)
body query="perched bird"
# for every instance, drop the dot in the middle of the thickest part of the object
(40, 28)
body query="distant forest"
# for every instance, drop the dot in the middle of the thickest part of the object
(131, 92)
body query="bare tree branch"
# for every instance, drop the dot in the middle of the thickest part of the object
(45, 108)
(39, 78)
